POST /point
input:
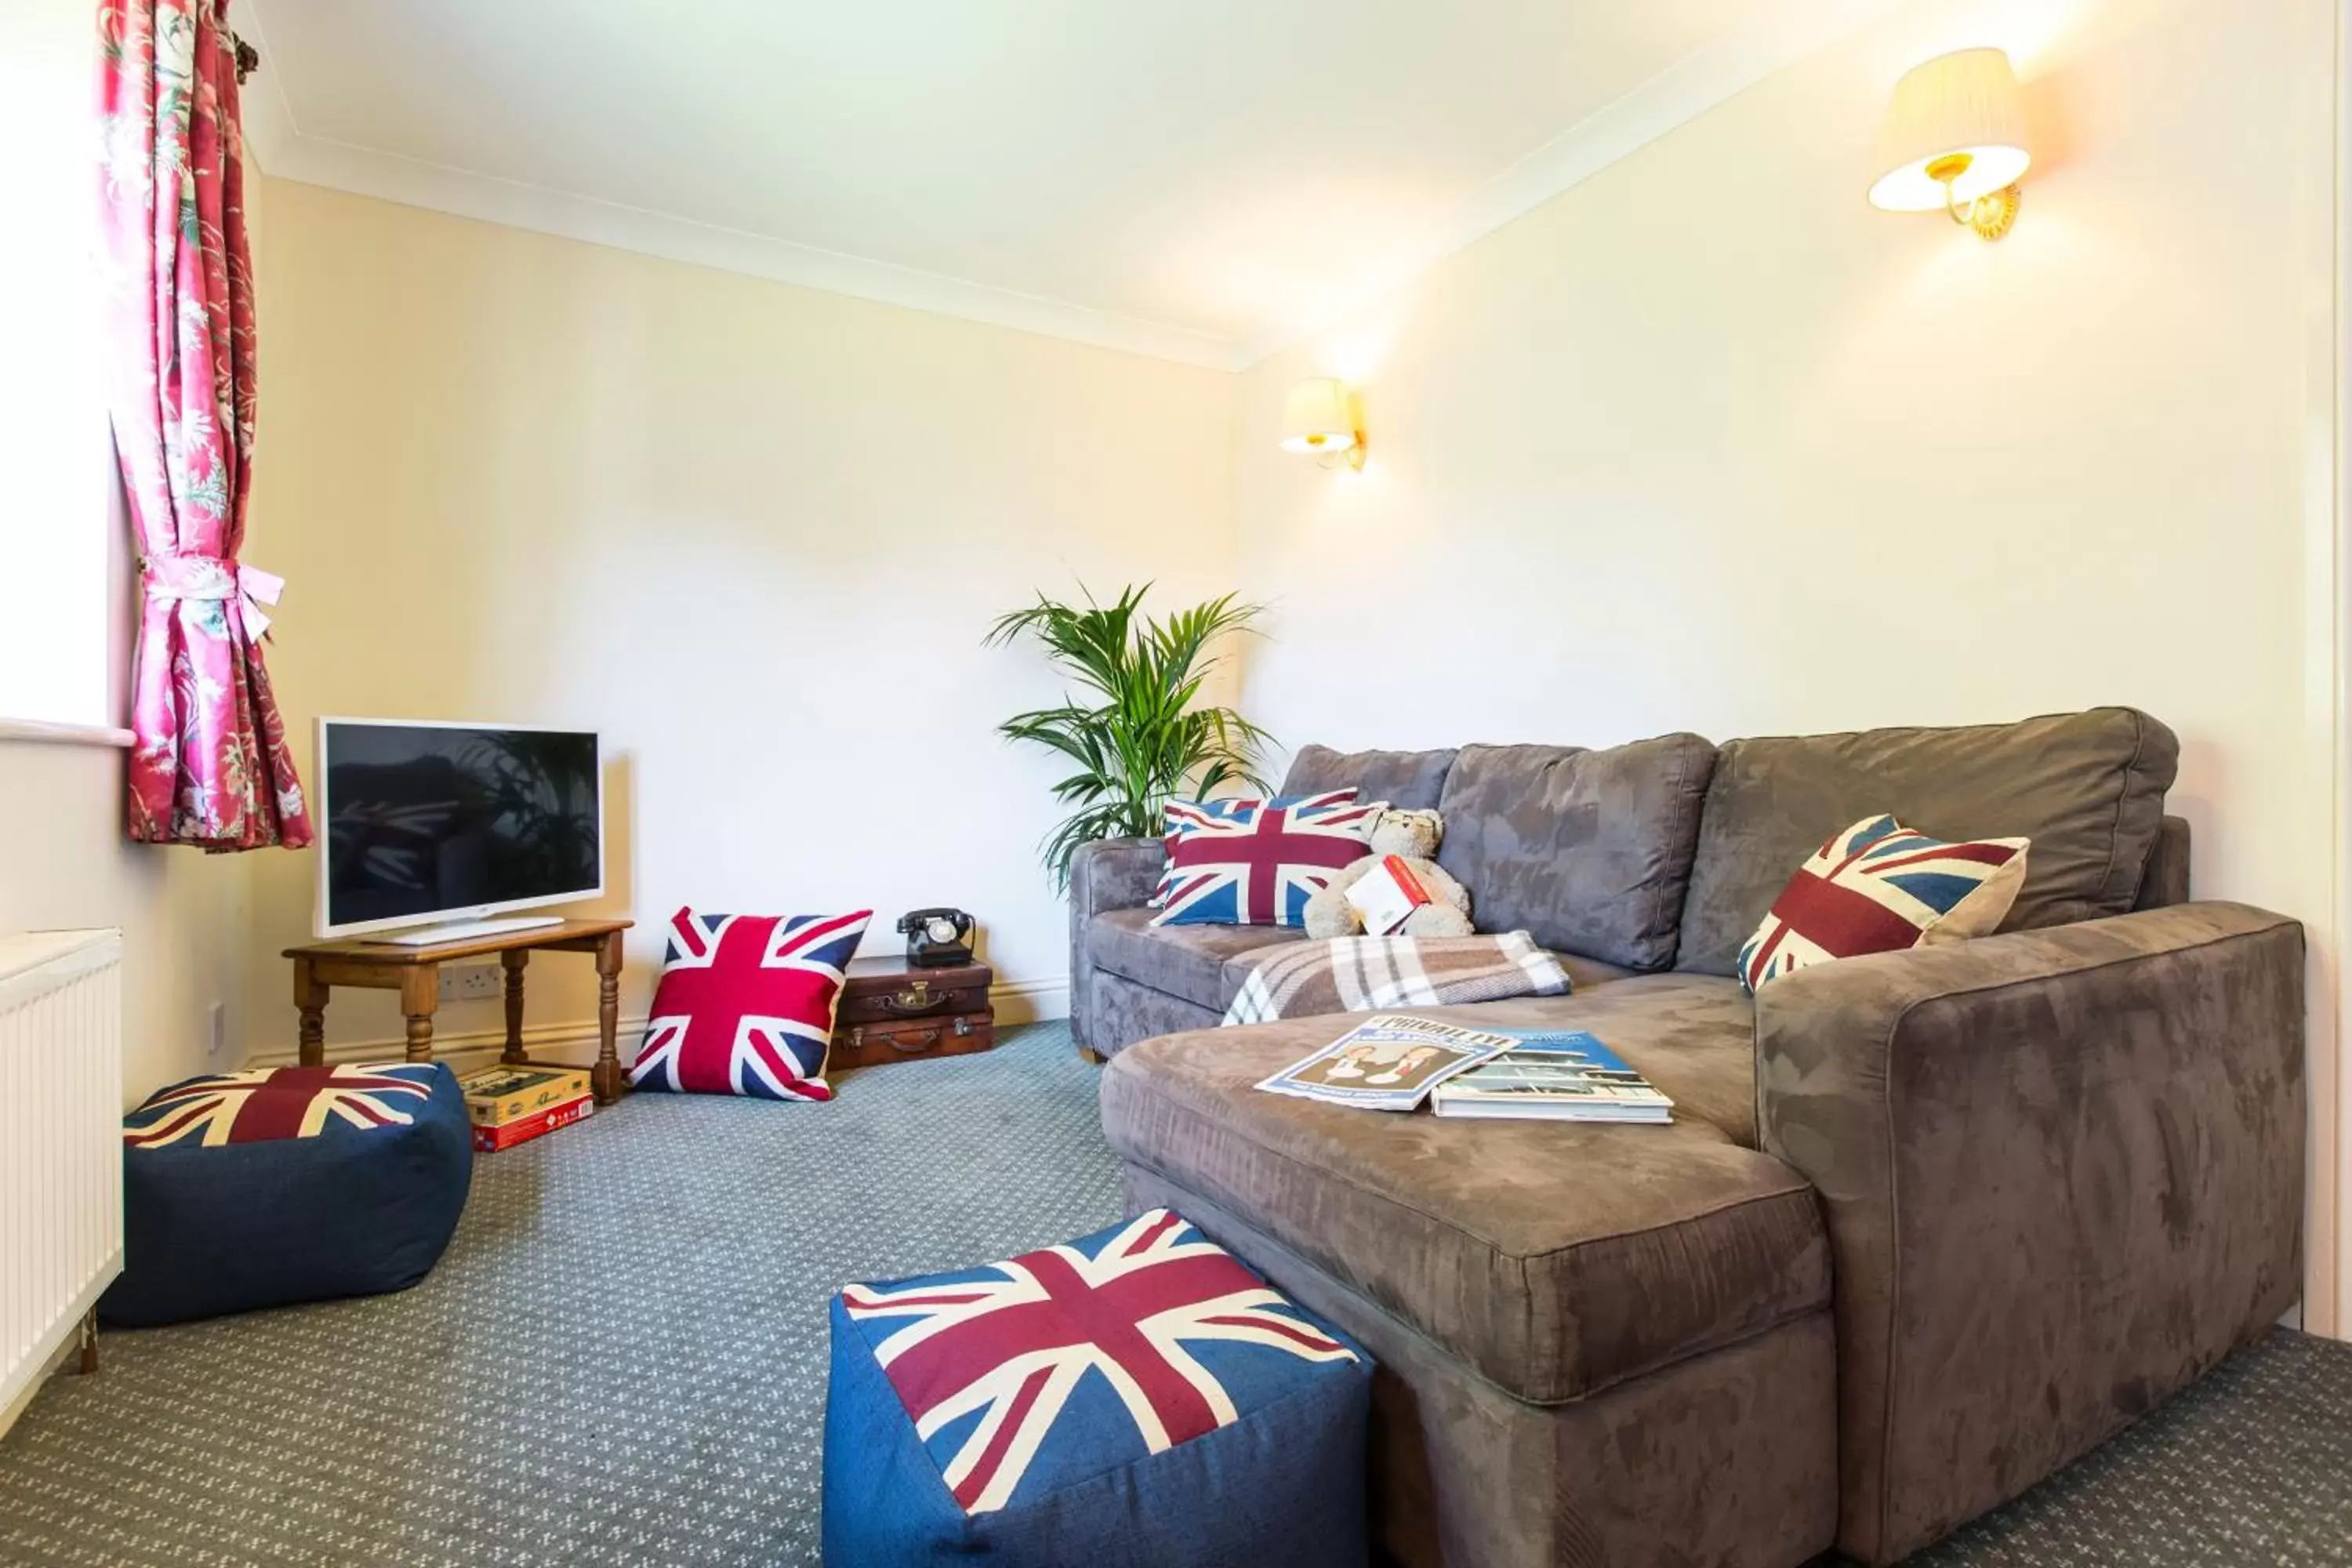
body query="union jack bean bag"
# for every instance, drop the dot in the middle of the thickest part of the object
(259, 1189)
(1136, 1396)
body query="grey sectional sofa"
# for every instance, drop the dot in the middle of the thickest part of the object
(1927, 1225)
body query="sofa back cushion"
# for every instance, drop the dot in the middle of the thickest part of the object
(1409, 781)
(2087, 788)
(1588, 851)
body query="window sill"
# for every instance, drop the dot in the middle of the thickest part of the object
(44, 732)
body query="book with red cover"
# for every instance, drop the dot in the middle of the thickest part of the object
(1387, 895)
(487, 1139)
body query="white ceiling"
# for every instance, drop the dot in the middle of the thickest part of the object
(1205, 180)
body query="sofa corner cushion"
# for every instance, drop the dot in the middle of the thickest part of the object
(1588, 851)
(1555, 1260)
(1409, 781)
(2087, 788)
(1185, 961)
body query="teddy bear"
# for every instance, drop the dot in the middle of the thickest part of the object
(1414, 836)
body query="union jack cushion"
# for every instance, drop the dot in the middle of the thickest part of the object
(745, 1004)
(1047, 1406)
(1878, 887)
(1256, 862)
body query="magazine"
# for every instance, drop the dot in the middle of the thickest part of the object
(1555, 1077)
(1387, 1063)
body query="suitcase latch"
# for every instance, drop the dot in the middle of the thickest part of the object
(915, 998)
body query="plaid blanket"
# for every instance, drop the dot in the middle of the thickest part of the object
(1367, 974)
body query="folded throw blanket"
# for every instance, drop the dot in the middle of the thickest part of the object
(1369, 973)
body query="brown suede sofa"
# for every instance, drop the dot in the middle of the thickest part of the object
(1927, 1225)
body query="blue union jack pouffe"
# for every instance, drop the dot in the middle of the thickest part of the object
(1136, 1397)
(260, 1189)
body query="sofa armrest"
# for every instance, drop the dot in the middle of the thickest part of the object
(2063, 1176)
(1114, 874)
(1108, 874)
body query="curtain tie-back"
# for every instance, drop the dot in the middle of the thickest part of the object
(245, 589)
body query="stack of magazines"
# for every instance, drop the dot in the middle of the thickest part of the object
(1394, 1061)
(1561, 1076)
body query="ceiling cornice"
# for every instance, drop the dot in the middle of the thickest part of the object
(286, 154)
(1671, 98)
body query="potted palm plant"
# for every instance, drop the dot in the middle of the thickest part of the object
(1136, 729)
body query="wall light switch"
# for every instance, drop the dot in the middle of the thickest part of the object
(217, 1030)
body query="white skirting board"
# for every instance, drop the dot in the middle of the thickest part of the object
(575, 1040)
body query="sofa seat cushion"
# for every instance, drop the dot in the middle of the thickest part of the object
(1186, 961)
(1556, 1261)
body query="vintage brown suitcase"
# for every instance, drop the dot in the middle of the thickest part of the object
(890, 1012)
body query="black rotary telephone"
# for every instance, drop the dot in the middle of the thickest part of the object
(936, 938)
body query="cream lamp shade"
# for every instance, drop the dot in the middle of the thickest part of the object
(1317, 419)
(1955, 132)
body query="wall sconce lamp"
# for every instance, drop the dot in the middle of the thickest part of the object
(1955, 139)
(1320, 420)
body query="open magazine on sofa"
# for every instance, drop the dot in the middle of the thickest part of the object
(1388, 1062)
(1394, 1061)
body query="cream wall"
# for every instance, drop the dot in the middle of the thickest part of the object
(1708, 443)
(65, 865)
(752, 534)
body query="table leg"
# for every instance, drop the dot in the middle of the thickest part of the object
(420, 993)
(513, 963)
(606, 1079)
(310, 1006)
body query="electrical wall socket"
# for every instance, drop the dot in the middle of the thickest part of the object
(473, 982)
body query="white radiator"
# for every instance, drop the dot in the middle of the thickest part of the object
(61, 1145)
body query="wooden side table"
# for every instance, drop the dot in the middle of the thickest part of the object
(415, 973)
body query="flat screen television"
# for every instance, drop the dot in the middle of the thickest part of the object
(440, 825)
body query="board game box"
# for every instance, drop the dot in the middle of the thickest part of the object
(489, 1140)
(497, 1096)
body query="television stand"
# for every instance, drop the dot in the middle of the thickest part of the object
(466, 930)
(415, 972)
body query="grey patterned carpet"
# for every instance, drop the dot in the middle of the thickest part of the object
(622, 1361)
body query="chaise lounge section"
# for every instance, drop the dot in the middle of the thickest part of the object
(1927, 1225)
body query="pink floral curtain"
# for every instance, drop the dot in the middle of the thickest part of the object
(211, 765)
